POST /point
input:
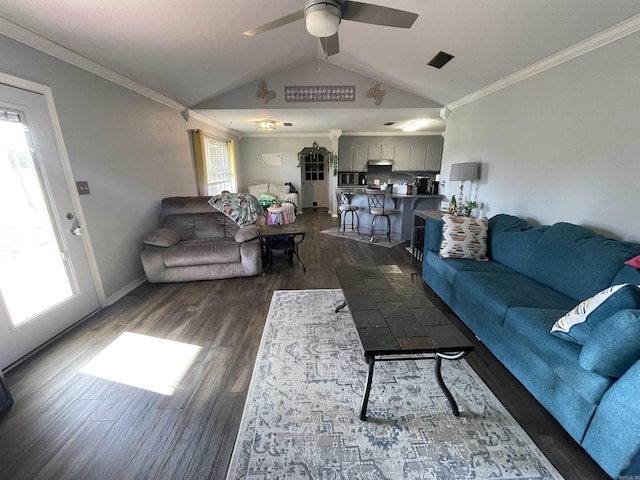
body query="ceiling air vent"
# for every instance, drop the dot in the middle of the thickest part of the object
(440, 60)
(388, 124)
(288, 124)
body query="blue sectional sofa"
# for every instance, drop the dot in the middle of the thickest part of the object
(535, 275)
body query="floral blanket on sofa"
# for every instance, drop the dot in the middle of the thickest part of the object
(242, 208)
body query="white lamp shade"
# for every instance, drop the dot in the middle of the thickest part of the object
(322, 19)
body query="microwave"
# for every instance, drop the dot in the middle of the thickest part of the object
(352, 178)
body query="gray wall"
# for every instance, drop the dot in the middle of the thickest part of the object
(251, 171)
(133, 152)
(560, 146)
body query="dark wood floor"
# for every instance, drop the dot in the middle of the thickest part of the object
(69, 425)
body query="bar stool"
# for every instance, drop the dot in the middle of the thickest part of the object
(377, 209)
(344, 206)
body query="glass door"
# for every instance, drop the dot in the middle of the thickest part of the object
(45, 279)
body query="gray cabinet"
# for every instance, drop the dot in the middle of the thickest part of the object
(434, 157)
(387, 152)
(418, 157)
(374, 152)
(355, 160)
(401, 162)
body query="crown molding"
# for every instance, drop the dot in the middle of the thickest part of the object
(621, 30)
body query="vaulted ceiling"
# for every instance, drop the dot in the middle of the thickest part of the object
(193, 51)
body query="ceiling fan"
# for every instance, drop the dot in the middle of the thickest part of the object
(322, 18)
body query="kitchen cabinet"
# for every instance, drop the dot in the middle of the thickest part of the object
(356, 161)
(387, 152)
(418, 157)
(434, 158)
(374, 152)
(401, 162)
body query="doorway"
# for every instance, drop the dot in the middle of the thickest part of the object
(46, 283)
(313, 171)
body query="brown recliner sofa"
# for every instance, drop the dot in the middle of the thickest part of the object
(196, 242)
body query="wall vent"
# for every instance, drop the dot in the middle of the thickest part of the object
(388, 124)
(288, 124)
(440, 60)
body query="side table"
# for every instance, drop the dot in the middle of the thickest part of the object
(281, 237)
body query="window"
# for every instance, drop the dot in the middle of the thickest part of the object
(218, 166)
(214, 162)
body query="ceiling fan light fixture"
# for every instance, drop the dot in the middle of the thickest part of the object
(322, 17)
(266, 125)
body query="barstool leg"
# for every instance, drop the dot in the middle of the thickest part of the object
(388, 228)
(358, 223)
(373, 225)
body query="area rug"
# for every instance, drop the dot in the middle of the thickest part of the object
(300, 419)
(379, 239)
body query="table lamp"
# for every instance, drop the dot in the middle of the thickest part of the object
(462, 172)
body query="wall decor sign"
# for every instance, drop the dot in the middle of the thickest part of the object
(272, 159)
(329, 93)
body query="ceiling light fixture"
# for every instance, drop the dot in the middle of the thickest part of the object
(322, 17)
(415, 125)
(266, 125)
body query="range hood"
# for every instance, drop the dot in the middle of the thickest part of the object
(379, 161)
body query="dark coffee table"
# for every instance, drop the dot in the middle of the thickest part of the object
(397, 322)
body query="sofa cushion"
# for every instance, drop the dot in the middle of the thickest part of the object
(487, 296)
(199, 225)
(627, 274)
(202, 252)
(433, 235)
(464, 237)
(449, 267)
(162, 237)
(614, 345)
(577, 261)
(578, 324)
(512, 248)
(246, 233)
(531, 325)
(256, 190)
(279, 190)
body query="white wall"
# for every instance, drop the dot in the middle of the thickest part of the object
(563, 145)
(133, 152)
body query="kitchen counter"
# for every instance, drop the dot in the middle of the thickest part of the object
(401, 222)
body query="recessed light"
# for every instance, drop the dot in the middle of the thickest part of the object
(440, 60)
(415, 125)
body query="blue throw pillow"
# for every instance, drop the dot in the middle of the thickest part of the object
(614, 345)
(576, 326)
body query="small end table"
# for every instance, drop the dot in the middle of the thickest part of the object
(281, 237)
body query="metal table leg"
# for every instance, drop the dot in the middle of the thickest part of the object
(341, 306)
(443, 387)
(363, 412)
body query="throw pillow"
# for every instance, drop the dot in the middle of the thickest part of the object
(464, 237)
(162, 237)
(634, 262)
(614, 345)
(246, 233)
(578, 324)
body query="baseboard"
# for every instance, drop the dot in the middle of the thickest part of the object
(125, 290)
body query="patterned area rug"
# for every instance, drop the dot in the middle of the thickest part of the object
(379, 239)
(301, 421)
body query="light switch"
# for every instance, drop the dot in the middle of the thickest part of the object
(83, 188)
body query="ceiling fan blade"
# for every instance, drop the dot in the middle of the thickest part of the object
(330, 45)
(275, 24)
(377, 15)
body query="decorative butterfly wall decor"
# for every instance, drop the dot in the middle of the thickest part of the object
(264, 94)
(376, 93)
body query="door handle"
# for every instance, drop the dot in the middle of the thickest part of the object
(76, 229)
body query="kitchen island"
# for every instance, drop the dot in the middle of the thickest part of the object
(401, 222)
